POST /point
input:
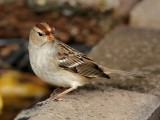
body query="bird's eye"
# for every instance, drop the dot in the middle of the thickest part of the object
(40, 34)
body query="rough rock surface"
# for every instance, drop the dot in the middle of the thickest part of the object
(146, 14)
(130, 49)
(94, 104)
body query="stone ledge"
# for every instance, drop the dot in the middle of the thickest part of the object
(94, 104)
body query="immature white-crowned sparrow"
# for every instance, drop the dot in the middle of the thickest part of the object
(58, 64)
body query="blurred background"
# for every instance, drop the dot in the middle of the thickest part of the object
(80, 23)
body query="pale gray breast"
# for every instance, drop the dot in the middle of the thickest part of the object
(42, 61)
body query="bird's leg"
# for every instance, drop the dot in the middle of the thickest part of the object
(58, 96)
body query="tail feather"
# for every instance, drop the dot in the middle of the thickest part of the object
(120, 72)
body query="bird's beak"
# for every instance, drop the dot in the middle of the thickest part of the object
(51, 37)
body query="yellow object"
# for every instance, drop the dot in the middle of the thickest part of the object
(1, 103)
(11, 85)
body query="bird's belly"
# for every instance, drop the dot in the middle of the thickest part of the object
(58, 77)
(62, 78)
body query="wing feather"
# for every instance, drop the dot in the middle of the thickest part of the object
(77, 62)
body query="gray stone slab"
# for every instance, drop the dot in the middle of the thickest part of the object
(146, 14)
(131, 49)
(94, 104)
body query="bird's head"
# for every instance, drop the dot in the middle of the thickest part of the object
(41, 33)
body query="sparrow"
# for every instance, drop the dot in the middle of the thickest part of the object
(58, 64)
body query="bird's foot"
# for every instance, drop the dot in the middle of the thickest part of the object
(56, 92)
(56, 95)
(42, 102)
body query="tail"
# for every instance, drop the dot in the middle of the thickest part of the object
(120, 72)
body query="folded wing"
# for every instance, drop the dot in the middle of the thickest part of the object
(77, 62)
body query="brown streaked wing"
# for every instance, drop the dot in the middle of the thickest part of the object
(77, 62)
